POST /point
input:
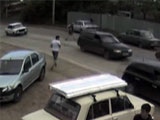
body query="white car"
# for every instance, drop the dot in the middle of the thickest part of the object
(95, 97)
(18, 70)
(81, 25)
(16, 29)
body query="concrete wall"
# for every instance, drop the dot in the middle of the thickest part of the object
(117, 23)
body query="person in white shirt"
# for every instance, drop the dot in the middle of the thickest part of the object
(55, 46)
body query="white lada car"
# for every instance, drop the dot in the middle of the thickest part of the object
(95, 97)
(16, 28)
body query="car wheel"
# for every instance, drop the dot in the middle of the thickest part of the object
(42, 74)
(82, 49)
(17, 94)
(7, 34)
(157, 55)
(140, 45)
(106, 55)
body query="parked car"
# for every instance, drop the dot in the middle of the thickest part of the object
(81, 25)
(143, 79)
(141, 38)
(18, 70)
(16, 28)
(103, 43)
(95, 97)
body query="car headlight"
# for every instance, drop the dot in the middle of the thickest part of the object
(117, 51)
(6, 89)
(130, 50)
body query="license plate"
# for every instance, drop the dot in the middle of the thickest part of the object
(125, 54)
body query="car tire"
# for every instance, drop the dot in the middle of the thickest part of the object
(18, 94)
(140, 45)
(82, 48)
(42, 74)
(106, 55)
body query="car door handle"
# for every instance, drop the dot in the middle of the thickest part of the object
(115, 118)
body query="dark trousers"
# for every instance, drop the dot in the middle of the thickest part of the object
(55, 55)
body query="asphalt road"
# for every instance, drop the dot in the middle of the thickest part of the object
(72, 63)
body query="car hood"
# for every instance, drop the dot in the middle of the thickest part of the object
(119, 46)
(6, 80)
(154, 39)
(39, 115)
(19, 28)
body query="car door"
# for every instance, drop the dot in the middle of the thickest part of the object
(99, 111)
(36, 66)
(26, 76)
(121, 108)
(96, 44)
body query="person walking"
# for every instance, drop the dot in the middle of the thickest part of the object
(145, 113)
(55, 46)
(70, 32)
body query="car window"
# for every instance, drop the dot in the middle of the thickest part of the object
(27, 64)
(137, 33)
(120, 104)
(147, 34)
(87, 23)
(35, 58)
(62, 108)
(10, 67)
(109, 39)
(78, 23)
(98, 109)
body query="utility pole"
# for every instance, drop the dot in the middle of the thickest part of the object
(53, 11)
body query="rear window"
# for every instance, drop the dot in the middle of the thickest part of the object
(62, 108)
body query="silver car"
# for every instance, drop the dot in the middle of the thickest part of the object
(81, 25)
(18, 70)
(16, 28)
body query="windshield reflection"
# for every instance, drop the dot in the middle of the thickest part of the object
(10, 67)
(109, 39)
(147, 34)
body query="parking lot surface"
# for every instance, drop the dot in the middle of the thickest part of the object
(37, 95)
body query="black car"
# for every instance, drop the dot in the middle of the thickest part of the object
(141, 38)
(143, 79)
(103, 43)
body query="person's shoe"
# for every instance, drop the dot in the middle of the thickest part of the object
(51, 68)
(55, 64)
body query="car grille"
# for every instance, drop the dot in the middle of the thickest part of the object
(22, 30)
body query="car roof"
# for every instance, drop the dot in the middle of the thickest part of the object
(17, 54)
(140, 30)
(87, 85)
(82, 20)
(154, 64)
(16, 23)
(93, 31)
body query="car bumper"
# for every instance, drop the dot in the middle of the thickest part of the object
(120, 54)
(7, 96)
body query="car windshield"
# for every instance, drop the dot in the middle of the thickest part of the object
(62, 108)
(147, 34)
(109, 39)
(87, 23)
(14, 26)
(10, 67)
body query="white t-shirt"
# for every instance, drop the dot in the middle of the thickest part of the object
(55, 45)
